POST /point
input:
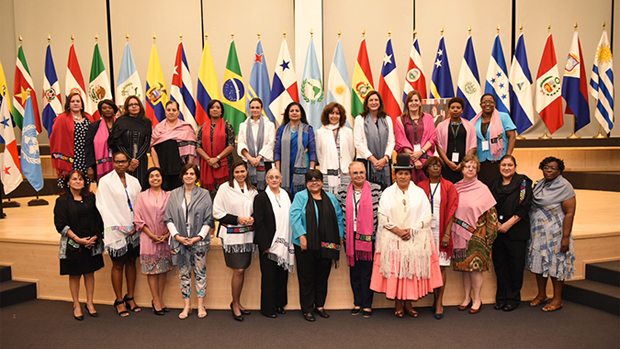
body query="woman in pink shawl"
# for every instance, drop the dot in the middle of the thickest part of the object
(415, 134)
(173, 144)
(98, 152)
(155, 255)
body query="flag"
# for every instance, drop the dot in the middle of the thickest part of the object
(468, 86)
(602, 84)
(74, 81)
(128, 83)
(388, 83)
(497, 78)
(338, 86)
(521, 100)
(156, 91)
(52, 105)
(415, 78)
(284, 85)
(208, 88)
(4, 91)
(22, 88)
(259, 81)
(362, 80)
(441, 80)
(99, 84)
(575, 86)
(182, 88)
(312, 93)
(233, 90)
(30, 159)
(9, 161)
(549, 89)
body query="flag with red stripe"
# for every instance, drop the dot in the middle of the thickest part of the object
(74, 81)
(388, 83)
(549, 89)
(415, 78)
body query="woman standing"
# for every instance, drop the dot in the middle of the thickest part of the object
(273, 236)
(550, 251)
(131, 135)
(155, 254)
(98, 152)
(294, 155)
(513, 193)
(68, 138)
(406, 264)
(81, 232)
(233, 207)
(216, 142)
(334, 147)
(173, 145)
(257, 138)
(444, 200)
(374, 140)
(117, 195)
(456, 138)
(415, 134)
(474, 229)
(189, 219)
(317, 223)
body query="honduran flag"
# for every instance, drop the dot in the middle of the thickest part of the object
(208, 87)
(602, 84)
(497, 78)
(182, 88)
(415, 78)
(468, 85)
(388, 83)
(549, 89)
(441, 81)
(284, 85)
(521, 99)
(156, 91)
(575, 86)
(74, 80)
(52, 106)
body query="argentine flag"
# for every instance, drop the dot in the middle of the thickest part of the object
(338, 86)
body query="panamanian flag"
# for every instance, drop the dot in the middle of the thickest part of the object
(182, 88)
(521, 98)
(284, 85)
(497, 78)
(575, 86)
(468, 86)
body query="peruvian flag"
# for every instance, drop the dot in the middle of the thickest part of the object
(415, 79)
(388, 83)
(549, 89)
(284, 88)
(99, 86)
(74, 81)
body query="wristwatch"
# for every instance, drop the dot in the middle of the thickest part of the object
(218, 157)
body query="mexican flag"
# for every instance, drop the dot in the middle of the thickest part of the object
(22, 88)
(362, 80)
(99, 87)
(233, 90)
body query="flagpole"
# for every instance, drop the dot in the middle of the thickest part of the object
(574, 135)
(601, 134)
(519, 136)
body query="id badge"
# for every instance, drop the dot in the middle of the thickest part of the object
(433, 223)
(485, 145)
(417, 147)
(455, 157)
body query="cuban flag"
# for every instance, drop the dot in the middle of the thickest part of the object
(128, 83)
(441, 80)
(388, 83)
(284, 86)
(602, 84)
(181, 90)
(468, 86)
(52, 106)
(521, 99)
(259, 81)
(497, 78)
(415, 78)
(575, 86)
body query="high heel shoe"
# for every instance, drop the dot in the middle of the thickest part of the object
(127, 300)
(464, 307)
(123, 313)
(155, 311)
(78, 318)
(235, 316)
(93, 314)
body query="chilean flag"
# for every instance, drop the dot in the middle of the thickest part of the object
(182, 88)
(549, 89)
(575, 85)
(388, 83)
(284, 88)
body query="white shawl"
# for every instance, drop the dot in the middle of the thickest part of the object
(113, 203)
(232, 201)
(282, 250)
(415, 253)
(327, 154)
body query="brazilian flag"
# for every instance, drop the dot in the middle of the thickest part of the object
(233, 90)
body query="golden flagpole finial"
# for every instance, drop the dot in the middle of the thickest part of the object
(284, 34)
(258, 34)
(20, 40)
(154, 38)
(127, 36)
(469, 30)
(389, 33)
(521, 29)
(206, 36)
(603, 25)
(549, 28)
(232, 35)
(576, 26)
(498, 29)
(49, 39)
(415, 33)
(311, 33)
(364, 33)
(180, 36)
(339, 33)
(72, 39)
(441, 30)
(97, 38)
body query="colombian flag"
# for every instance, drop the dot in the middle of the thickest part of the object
(233, 90)
(208, 88)
(156, 91)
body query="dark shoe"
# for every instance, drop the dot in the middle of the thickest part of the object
(475, 311)
(411, 312)
(166, 309)
(235, 316)
(309, 317)
(322, 312)
(356, 311)
(499, 306)
(280, 310)
(509, 307)
(464, 307)
(245, 311)
(271, 316)
(78, 318)
(438, 316)
(127, 300)
(366, 314)
(155, 311)
(123, 313)
(93, 314)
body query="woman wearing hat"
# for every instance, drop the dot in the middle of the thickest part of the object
(406, 264)
(98, 153)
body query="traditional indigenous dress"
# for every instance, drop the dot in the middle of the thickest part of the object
(259, 139)
(414, 136)
(98, 152)
(375, 138)
(155, 258)
(335, 150)
(295, 154)
(175, 147)
(67, 145)
(132, 136)
(475, 226)
(116, 203)
(237, 239)
(406, 270)
(213, 139)
(456, 139)
(84, 221)
(492, 143)
(547, 219)
(444, 200)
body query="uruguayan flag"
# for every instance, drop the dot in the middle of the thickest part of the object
(602, 84)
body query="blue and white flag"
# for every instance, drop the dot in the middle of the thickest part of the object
(52, 106)
(259, 82)
(441, 81)
(468, 86)
(128, 83)
(312, 94)
(521, 98)
(338, 85)
(497, 78)
(602, 84)
(30, 158)
(575, 86)
(182, 89)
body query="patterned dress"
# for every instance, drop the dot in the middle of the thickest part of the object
(478, 254)
(79, 157)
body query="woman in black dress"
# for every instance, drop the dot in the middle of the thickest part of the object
(81, 231)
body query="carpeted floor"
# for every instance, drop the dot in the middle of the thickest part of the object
(50, 324)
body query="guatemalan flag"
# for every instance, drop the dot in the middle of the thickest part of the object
(259, 81)
(441, 81)
(208, 87)
(284, 86)
(468, 86)
(128, 83)
(575, 86)
(497, 78)
(602, 84)
(52, 106)
(415, 78)
(549, 89)
(181, 90)
(388, 83)
(521, 99)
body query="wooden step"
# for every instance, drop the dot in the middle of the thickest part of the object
(13, 292)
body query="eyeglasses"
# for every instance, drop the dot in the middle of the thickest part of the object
(471, 167)
(434, 166)
(550, 168)
(120, 162)
(273, 177)
(487, 102)
(133, 105)
(359, 173)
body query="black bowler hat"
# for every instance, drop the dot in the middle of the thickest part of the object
(403, 162)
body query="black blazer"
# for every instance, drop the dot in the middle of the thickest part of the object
(265, 220)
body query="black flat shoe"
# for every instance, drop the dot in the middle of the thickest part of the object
(499, 306)
(366, 314)
(280, 310)
(309, 317)
(509, 307)
(322, 312)
(155, 311)
(93, 314)
(235, 316)
(356, 311)
(271, 316)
